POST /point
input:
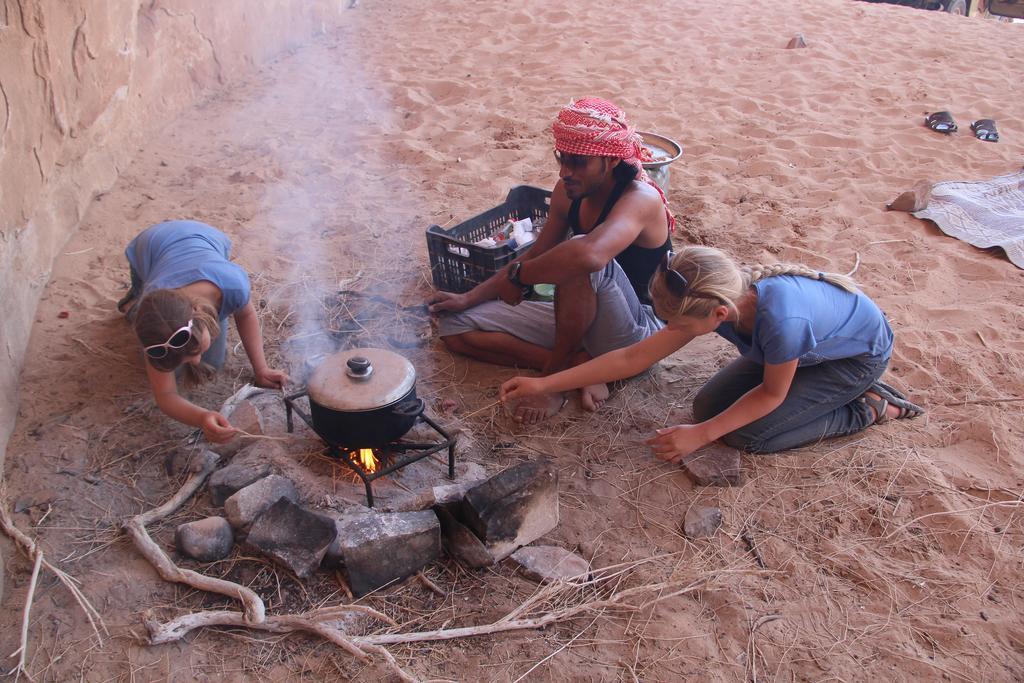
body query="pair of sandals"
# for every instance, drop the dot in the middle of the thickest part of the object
(943, 122)
(889, 396)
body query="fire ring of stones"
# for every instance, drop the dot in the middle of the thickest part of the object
(300, 511)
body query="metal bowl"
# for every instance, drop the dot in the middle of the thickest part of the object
(665, 151)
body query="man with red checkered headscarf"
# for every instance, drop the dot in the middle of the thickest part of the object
(606, 234)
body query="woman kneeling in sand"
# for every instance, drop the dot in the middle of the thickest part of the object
(812, 349)
(188, 288)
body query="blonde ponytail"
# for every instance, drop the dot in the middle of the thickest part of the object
(760, 272)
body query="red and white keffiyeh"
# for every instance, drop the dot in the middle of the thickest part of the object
(596, 127)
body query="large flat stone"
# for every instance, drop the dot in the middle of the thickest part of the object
(715, 465)
(460, 542)
(245, 506)
(380, 548)
(292, 536)
(513, 508)
(550, 563)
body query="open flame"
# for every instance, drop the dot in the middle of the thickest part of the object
(367, 460)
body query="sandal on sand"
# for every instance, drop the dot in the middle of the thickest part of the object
(985, 129)
(889, 396)
(941, 121)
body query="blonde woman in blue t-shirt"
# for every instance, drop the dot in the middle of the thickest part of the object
(812, 349)
(184, 288)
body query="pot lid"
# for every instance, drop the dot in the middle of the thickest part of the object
(361, 379)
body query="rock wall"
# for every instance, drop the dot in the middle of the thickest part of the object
(81, 83)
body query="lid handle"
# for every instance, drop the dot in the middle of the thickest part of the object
(359, 367)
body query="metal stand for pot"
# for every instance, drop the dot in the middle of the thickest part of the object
(393, 456)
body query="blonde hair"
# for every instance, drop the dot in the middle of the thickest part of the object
(164, 311)
(714, 279)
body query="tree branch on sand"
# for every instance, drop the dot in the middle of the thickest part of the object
(32, 550)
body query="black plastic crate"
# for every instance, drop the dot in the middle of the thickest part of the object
(458, 265)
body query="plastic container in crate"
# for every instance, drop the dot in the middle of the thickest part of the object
(458, 265)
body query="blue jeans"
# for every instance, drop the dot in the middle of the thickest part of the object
(821, 403)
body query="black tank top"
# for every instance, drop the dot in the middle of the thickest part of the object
(638, 263)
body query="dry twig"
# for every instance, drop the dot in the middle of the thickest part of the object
(31, 550)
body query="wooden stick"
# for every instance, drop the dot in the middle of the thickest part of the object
(748, 539)
(32, 550)
(884, 242)
(430, 585)
(983, 401)
(25, 618)
(343, 584)
(855, 265)
(179, 627)
(480, 410)
(244, 434)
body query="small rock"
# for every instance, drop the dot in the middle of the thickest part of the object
(914, 199)
(227, 481)
(796, 42)
(292, 536)
(188, 460)
(715, 466)
(206, 540)
(246, 505)
(245, 417)
(550, 563)
(701, 522)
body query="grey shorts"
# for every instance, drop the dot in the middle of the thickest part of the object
(621, 319)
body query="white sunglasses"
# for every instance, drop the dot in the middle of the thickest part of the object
(181, 337)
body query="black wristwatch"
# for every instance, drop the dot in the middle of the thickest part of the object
(513, 277)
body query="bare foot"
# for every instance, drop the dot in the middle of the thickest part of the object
(593, 396)
(533, 409)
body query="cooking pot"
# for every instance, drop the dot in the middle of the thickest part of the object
(363, 398)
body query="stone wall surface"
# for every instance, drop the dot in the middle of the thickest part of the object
(81, 84)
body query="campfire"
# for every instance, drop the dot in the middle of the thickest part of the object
(367, 460)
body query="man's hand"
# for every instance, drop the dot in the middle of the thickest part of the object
(510, 292)
(519, 387)
(271, 379)
(675, 443)
(216, 427)
(448, 302)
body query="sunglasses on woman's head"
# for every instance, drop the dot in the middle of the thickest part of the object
(675, 281)
(181, 337)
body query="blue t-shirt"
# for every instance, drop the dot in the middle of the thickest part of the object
(797, 317)
(177, 253)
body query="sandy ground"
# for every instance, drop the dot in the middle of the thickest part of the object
(896, 554)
